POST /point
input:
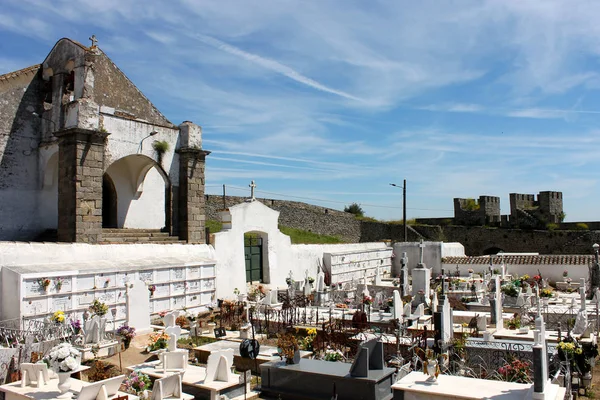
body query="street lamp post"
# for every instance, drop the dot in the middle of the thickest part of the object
(403, 208)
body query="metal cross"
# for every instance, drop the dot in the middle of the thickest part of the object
(252, 187)
(94, 40)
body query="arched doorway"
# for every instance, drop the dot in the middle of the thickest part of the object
(491, 251)
(109, 203)
(141, 187)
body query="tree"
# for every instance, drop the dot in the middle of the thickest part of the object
(355, 209)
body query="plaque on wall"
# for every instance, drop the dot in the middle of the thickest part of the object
(162, 275)
(178, 288)
(61, 303)
(36, 306)
(208, 284)
(85, 299)
(123, 278)
(162, 305)
(193, 300)
(107, 297)
(66, 285)
(121, 296)
(33, 288)
(86, 282)
(193, 286)
(177, 302)
(161, 290)
(121, 312)
(146, 276)
(205, 298)
(177, 274)
(105, 281)
(193, 272)
(208, 271)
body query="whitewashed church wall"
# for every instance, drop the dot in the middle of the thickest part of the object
(126, 136)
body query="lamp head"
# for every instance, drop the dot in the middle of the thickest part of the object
(153, 133)
(596, 246)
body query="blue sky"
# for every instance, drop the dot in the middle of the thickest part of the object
(333, 100)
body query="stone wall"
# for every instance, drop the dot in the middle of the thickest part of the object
(293, 214)
(477, 240)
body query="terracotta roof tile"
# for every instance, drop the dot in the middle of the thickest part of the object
(545, 259)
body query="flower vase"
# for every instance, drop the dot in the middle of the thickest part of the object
(126, 343)
(64, 384)
(431, 370)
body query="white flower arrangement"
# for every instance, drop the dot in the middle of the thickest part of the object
(63, 358)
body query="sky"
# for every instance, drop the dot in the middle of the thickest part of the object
(328, 102)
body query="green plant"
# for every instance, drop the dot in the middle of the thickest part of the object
(562, 216)
(299, 236)
(516, 371)
(160, 147)
(99, 308)
(551, 226)
(510, 290)
(581, 226)
(355, 209)
(471, 205)
(514, 322)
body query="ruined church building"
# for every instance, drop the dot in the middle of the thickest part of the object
(77, 154)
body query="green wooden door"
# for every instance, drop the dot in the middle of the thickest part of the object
(253, 253)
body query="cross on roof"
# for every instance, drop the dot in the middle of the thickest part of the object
(94, 40)
(252, 187)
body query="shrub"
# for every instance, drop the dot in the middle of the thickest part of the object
(582, 226)
(470, 205)
(355, 209)
(551, 226)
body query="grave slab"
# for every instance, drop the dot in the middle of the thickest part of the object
(316, 379)
(413, 387)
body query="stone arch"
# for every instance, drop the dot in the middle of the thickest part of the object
(142, 190)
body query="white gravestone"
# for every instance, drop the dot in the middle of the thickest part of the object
(174, 333)
(407, 309)
(499, 320)
(218, 366)
(434, 302)
(377, 276)
(447, 332)
(138, 304)
(582, 294)
(94, 330)
(397, 306)
(420, 311)
(404, 275)
(481, 323)
(174, 361)
(170, 318)
(320, 282)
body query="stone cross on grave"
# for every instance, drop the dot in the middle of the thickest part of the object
(94, 40)
(252, 187)
(421, 248)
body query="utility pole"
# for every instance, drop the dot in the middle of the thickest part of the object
(403, 208)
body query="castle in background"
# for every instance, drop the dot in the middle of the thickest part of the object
(525, 211)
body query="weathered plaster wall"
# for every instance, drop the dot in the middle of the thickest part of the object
(113, 89)
(20, 96)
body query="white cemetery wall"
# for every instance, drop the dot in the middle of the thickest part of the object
(177, 286)
(345, 267)
(279, 255)
(552, 272)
